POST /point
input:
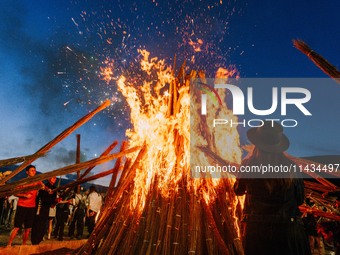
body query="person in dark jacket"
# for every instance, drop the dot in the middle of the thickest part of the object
(45, 199)
(271, 217)
(62, 214)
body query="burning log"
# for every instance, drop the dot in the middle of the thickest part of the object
(214, 229)
(322, 206)
(56, 140)
(318, 60)
(157, 207)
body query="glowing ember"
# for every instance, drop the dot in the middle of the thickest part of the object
(196, 45)
(106, 72)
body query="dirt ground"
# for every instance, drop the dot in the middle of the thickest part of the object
(4, 235)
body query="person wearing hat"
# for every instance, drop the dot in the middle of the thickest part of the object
(271, 217)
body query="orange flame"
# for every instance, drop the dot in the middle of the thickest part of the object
(166, 160)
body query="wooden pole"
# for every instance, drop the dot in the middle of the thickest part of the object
(56, 140)
(318, 60)
(106, 152)
(16, 160)
(117, 166)
(67, 169)
(114, 199)
(78, 160)
(90, 178)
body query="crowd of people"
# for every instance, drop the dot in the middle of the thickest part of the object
(43, 213)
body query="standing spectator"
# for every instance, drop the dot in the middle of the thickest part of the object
(51, 218)
(79, 212)
(3, 201)
(315, 242)
(13, 202)
(271, 215)
(330, 231)
(95, 202)
(25, 209)
(61, 215)
(2, 208)
(6, 212)
(46, 199)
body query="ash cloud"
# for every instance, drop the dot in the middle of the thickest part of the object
(67, 157)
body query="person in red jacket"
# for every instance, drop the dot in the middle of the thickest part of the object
(25, 209)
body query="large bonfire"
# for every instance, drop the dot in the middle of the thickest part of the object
(158, 207)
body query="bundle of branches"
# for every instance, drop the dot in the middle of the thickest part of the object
(318, 60)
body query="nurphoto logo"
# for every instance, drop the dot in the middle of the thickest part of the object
(278, 101)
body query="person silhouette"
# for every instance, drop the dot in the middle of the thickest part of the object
(271, 217)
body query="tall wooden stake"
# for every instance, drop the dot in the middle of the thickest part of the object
(78, 160)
